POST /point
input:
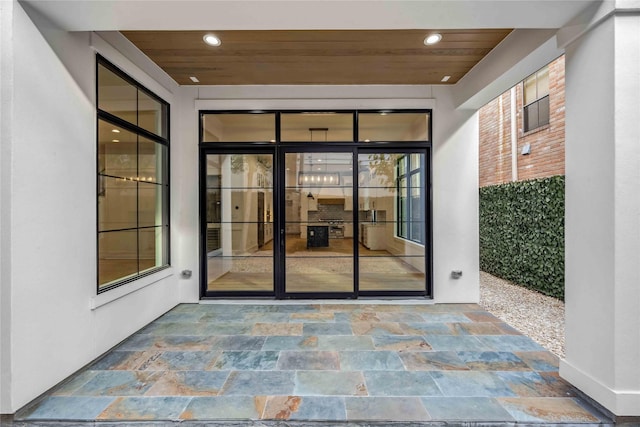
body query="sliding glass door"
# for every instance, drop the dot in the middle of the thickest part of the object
(318, 212)
(315, 204)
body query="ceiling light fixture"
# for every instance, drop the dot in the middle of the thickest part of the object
(211, 40)
(115, 130)
(194, 79)
(432, 39)
(445, 79)
(115, 140)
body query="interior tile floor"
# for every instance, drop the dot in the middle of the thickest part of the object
(350, 363)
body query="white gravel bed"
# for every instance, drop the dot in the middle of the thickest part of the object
(538, 316)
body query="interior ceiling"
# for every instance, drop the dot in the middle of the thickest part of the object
(317, 57)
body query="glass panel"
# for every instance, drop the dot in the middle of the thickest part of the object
(151, 244)
(543, 82)
(116, 95)
(319, 222)
(150, 204)
(543, 111)
(117, 203)
(117, 151)
(239, 237)
(239, 128)
(393, 127)
(152, 161)
(388, 262)
(152, 114)
(117, 256)
(529, 91)
(530, 117)
(316, 127)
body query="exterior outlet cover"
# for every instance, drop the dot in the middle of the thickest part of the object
(526, 149)
(456, 274)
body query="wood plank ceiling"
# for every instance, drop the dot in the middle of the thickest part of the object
(317, 56)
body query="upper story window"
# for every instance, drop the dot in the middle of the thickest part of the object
(536, 100)
(132, 178)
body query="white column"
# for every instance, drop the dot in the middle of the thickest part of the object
(603, 213)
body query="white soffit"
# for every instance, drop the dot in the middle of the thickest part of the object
(106, 15)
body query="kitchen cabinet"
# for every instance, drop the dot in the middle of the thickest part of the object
(372, 236)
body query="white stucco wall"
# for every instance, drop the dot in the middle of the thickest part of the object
(50, 276)
(602, 231)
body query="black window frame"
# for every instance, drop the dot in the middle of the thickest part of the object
(104, 116)
(531, 111)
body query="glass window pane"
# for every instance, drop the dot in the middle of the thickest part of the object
(151, 244)
(152, 161)
(531, 117)
(116, 95)
(316, 127)
(529, 91)
(117, 206)
(152, 114)
(543, 111)
(116, 151)
(117, 256)
(238, 128)
(543, 82)
(150, 204)
(393, 127)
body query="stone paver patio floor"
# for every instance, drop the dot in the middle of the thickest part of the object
(334, 362)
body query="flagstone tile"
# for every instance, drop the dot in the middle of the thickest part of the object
(237, 342)
(370, 361)
(540, 360)
(466, 409)
(174, 328)
(145, 408)
(481, 316)
(246, 360)
(254, 383)
(73, 384)
(277, 329)
(432, 361)
(401, 383)
(329, 383)
(309, 360)
(471, 384)
(378, 328)
(225, 328)
(179, 361)
(344, 342)
(316, 408)
(547, 409)
(493, 361)
(427, 328)
(533, 384)
(386, 409)
(247, 407)
(291, 343)
(66, 408)
(506, 329)
(327, 329)
(475, 328)
(267, 317)
(400, 343)
(457, 343)
(122, 360)
(188, 383)
(118, 383)
(445, 318)
(316, 317)
(510, 343)
(138, 342)
(183, 316)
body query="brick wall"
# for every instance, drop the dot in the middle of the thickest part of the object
(547, 142)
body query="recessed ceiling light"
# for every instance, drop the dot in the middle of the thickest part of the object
(115, 140)
(115, 130)
(445, 79)
(212, 40)
(194, 79)
(433, 38)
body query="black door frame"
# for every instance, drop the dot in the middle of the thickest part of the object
(278, 150)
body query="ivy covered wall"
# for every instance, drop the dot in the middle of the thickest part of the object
(522, 233)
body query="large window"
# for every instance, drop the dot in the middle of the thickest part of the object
(132, 184)
(536, 100)
(410, 201)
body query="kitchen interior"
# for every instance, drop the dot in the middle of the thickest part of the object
(320, 222)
